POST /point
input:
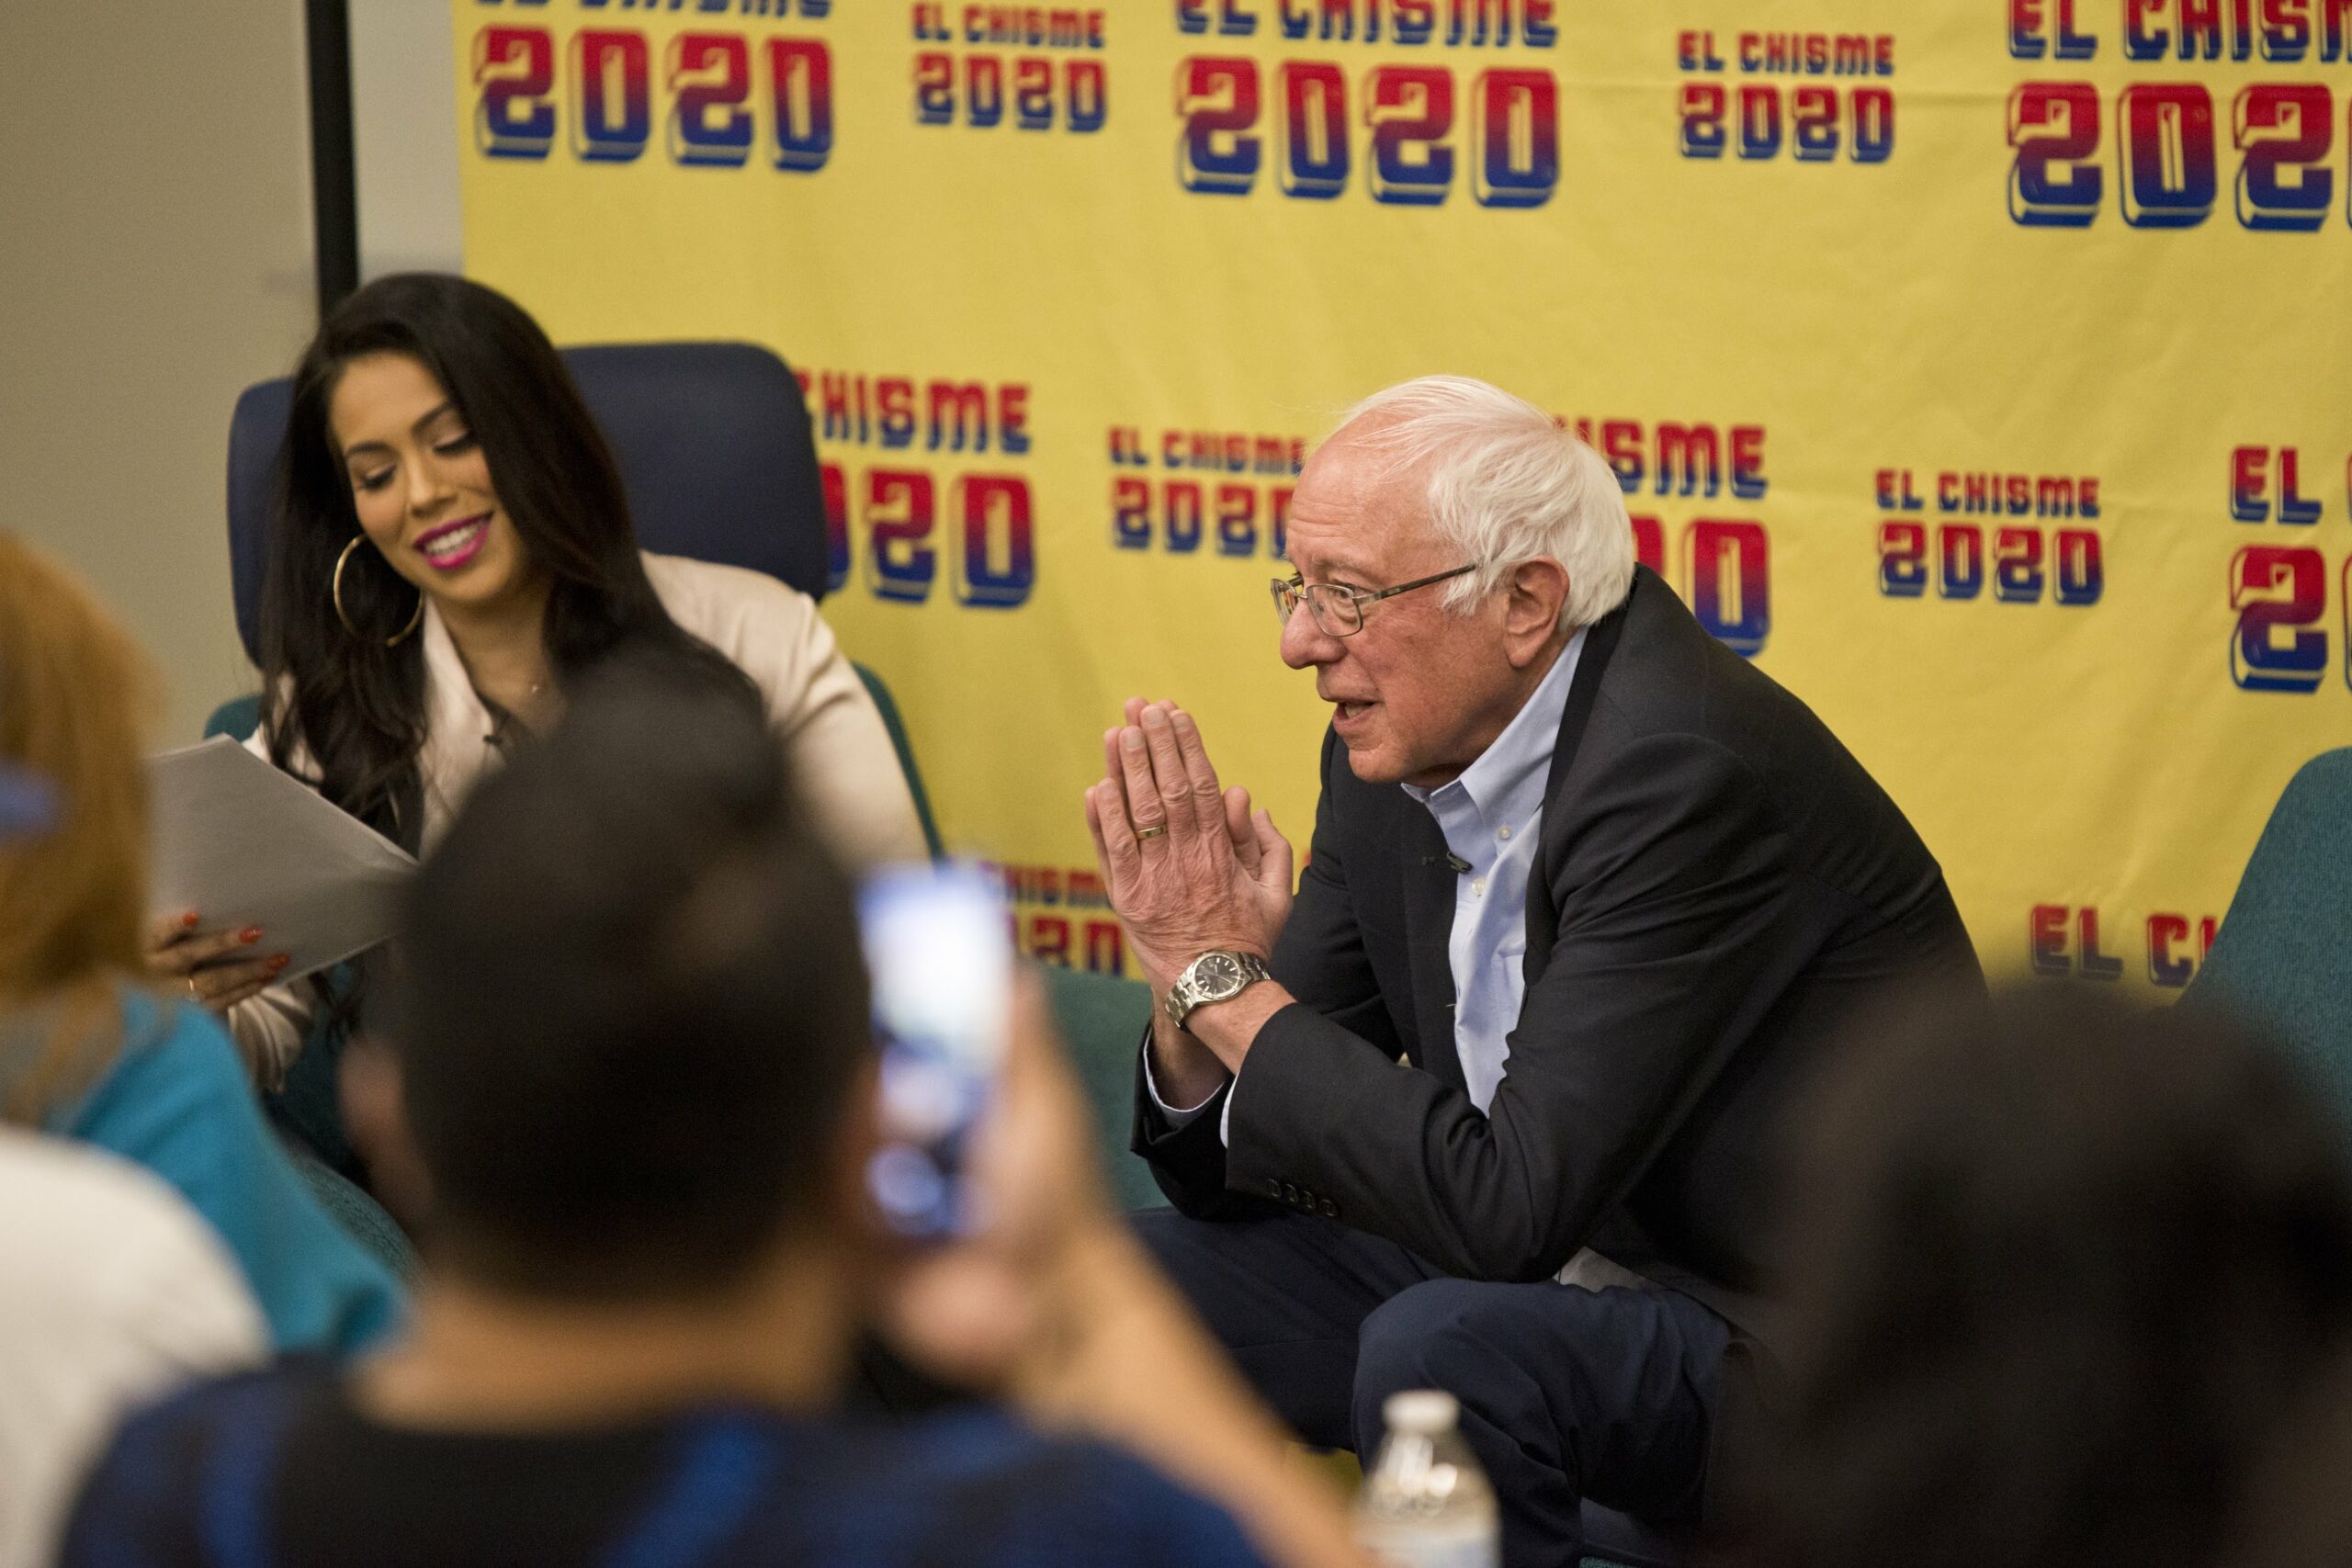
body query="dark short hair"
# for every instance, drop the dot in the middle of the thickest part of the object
(628, 998)
(2054, 1267)
(2298, 1511)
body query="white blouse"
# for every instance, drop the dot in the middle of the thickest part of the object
(842, 752)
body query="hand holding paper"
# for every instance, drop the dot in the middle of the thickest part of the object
(219, 968)
(250, 849)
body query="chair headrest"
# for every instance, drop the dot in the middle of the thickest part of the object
(714, 446)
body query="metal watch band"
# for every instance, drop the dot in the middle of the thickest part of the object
(1188, 993)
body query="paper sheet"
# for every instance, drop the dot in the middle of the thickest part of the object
(244, 844)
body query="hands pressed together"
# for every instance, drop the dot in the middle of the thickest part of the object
(1188, 864)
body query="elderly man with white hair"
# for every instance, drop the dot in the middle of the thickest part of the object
(1600, 886)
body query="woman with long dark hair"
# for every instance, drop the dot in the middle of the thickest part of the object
(452, 546)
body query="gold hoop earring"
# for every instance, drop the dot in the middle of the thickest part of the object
(334, 592)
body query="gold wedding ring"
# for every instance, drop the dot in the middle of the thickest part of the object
(1151, 832)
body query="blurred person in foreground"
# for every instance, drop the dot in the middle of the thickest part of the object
(629, 1017)
(2298, 1510)
(86, 1331)
(112, 1291)
(87, 1050)
(2057, 1270)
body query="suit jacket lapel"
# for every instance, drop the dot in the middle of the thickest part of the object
(1543, 914)
(1429, 891)
(1586, 688)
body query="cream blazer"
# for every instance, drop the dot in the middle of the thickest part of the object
(842, 753)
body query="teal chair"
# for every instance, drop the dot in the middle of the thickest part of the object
(1101, 1019)
(2283, 957)
(362, 1218)
(889, 708)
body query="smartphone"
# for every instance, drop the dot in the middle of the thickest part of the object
(939, 947)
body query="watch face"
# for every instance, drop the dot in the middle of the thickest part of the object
(1217, 975)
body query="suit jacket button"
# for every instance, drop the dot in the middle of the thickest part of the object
(1330, 1210)
(1290, 1193)
(1273, 1188)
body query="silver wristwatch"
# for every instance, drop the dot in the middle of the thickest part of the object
(1213, 977)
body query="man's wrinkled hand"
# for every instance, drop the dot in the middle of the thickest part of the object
(1188, 864)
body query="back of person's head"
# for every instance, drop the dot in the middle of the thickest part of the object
(75, 693)
(2054, 1267)
(2298, 1510)
(629, 1004)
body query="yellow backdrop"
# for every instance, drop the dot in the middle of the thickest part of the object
(1977, 366)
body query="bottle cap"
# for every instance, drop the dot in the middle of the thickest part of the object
(1422, 1411)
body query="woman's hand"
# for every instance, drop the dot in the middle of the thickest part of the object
(217, 969)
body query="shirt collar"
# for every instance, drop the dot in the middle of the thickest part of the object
(1505, 786)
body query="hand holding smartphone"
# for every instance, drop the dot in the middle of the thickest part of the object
(939, 951)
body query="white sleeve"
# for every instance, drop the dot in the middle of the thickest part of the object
(1177, 1118)
(197, 1316)
(269, 1030)
(842, 753)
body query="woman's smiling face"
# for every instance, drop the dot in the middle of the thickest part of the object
(420, 485)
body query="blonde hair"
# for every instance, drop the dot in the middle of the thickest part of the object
(75, 694)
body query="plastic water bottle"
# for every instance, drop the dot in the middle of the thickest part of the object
(1425, 1503)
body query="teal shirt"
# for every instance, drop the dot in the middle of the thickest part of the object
(177, 1102)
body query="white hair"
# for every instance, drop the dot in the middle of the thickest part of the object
(1507, 484)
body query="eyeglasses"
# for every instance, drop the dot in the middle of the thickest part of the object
(1338, 609)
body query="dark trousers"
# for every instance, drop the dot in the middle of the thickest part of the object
(1566, 1394)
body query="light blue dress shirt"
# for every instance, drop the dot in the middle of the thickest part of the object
(1491, 816)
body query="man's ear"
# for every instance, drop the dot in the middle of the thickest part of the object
(1534, 592)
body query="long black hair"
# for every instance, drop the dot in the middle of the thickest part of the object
(357, 705)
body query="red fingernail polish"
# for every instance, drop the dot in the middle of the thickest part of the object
(282, 961)
(251, 934)
(188, 918)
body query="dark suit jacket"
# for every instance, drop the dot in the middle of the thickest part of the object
(1718, 885)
